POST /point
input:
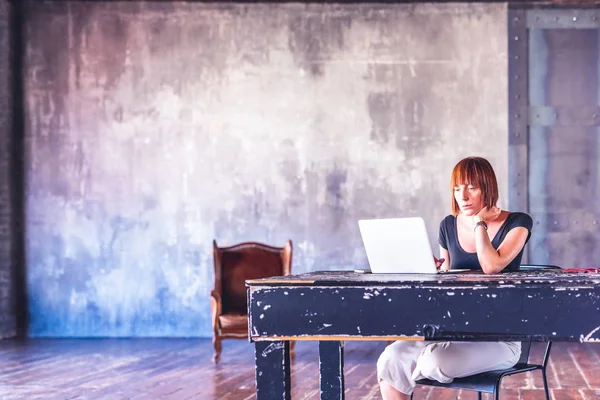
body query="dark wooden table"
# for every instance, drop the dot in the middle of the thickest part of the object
(332, 307)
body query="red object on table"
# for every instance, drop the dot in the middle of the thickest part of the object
(590, 270)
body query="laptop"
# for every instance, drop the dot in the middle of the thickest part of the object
(397, 245)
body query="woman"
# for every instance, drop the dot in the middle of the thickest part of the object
(478, 235)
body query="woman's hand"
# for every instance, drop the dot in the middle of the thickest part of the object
(438, 262)
(487, 214)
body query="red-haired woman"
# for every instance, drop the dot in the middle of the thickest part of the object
(478, 235)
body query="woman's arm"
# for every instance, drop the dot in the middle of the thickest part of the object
(446, 256)
(493, 261)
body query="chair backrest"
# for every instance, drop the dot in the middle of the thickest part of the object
(250, 260)
(539, 267)
(525, 347)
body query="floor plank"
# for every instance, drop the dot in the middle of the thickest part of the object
(182, 369)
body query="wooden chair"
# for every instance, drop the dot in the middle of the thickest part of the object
(233, 266)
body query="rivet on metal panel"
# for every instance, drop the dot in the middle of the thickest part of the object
(594, 18)
(516, 38)
(516, 57)
(517, 96)
(517, 135)
(556, 18)
(595, 222)
(516, 19)
(555, 222)
(537, 222)
(576, 222)
(517, 115)
(555, 115)
(574, 18)
(517, 77)
(537, 115)
(595, 115)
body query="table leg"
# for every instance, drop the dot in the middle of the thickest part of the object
(272, 370)
(331, 368)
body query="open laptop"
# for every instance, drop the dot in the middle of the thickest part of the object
(397, 245)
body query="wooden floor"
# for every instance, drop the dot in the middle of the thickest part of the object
(182, 369)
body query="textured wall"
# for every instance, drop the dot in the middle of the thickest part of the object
(564, 149)
(7, 311)
(154, 128)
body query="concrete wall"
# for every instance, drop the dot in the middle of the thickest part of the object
(153, 128)
(564, 147)
(7, 309)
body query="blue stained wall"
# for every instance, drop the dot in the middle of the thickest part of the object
(152, 128)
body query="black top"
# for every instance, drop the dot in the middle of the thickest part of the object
(460, 259)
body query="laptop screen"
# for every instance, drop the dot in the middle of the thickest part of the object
(397, 245)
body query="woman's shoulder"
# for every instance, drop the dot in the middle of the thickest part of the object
(518, 214)
(520, 218)
(448, 219)
(447, 231)
(448, 222)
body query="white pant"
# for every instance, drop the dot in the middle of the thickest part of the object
(404, 362)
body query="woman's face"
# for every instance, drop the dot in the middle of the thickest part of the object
(469, 198)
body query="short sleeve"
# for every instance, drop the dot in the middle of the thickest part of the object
(522, 220)
(443, 235)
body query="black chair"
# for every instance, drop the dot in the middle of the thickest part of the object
(489, 382)
(538, 267)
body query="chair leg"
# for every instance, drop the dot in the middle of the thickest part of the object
(546, 384)
(478, 395)
(218, 348)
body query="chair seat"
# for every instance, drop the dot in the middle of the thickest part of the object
(234, 322)
(484, 382)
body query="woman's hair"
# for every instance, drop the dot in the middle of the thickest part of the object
(475, 171)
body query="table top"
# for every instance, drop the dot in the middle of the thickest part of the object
(552, 278)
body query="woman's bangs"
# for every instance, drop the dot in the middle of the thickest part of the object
(464, 174)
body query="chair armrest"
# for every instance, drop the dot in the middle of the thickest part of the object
(215, 306)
